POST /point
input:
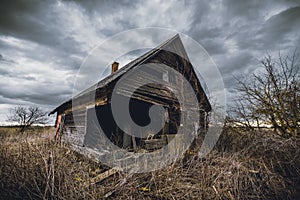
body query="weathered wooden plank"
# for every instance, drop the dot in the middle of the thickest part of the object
(103, 176)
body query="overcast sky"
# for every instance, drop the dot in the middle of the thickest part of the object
(43, 43)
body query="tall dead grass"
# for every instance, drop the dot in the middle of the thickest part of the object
(242, 166)
(41, 169)
(252, 165)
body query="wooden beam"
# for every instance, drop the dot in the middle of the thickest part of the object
(103, 176)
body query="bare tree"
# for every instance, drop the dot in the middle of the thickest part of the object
(271, 97)
(27, 116)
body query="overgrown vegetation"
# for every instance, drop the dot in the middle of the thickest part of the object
(271, 97)
(40, 169)
(242, 166)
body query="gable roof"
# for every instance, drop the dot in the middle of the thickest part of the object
(174, 44)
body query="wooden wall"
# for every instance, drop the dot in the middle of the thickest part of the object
(153, 93)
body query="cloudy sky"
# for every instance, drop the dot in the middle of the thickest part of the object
(43, 43)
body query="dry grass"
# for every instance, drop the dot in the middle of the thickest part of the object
(249, 166)
(242, 166)
(13, 134)
(41, 169)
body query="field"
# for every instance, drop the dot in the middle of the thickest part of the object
(243, 165)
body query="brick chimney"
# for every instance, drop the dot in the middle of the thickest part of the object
(114, 67)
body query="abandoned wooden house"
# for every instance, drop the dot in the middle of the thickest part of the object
(97, 99)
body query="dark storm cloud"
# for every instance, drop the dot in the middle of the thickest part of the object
(238, 64)
(22, 19)
(281, 29)
(43, 43)
(236, 67)
(36, 21)
(263, 25)
(253, 10)
(4, 72)
(3, 59)
(240, 33)
(214, 46)
(33, 93)
(14, 15)
(105, 6)
(8, 73)
(246, 10)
